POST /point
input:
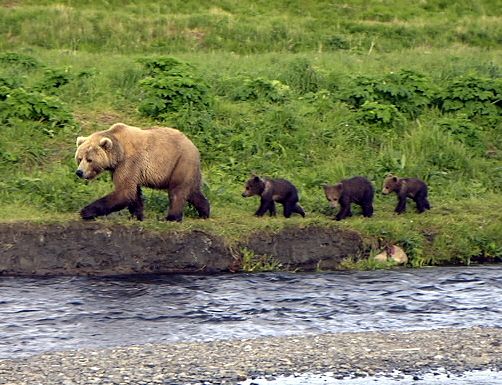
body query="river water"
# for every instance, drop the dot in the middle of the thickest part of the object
(45, 314)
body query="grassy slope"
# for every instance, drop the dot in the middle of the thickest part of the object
(311, 136)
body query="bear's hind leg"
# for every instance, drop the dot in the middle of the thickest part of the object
(368, 210)
(299, 209)
(201, 204)
(288, 209)
(422, 204)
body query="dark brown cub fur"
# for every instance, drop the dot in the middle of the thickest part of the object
(271, 191)
(358, 190)
(412, 188)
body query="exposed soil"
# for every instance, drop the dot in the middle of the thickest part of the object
(86, 248)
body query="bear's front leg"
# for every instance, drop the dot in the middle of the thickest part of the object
(177, 199)
(104, 206)
(401, 205)
(344, 212)
(264, 206)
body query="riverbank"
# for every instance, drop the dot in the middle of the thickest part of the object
(118, 247)
(92, 248)
(231, 362)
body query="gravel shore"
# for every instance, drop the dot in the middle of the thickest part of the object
(233, 361)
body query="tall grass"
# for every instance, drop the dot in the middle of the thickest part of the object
(249, 27)
(314, 92)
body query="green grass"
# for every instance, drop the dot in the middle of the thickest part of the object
(313, 91)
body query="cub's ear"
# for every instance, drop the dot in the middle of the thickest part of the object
(106, 143)
(256, 178)
(394, 178)
(325, 185)
(81, 139)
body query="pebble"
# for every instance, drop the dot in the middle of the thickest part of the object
(229, 362)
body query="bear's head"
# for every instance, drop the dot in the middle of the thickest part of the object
(333, 193)
(390, 184)
(254, 186)
(94, 154)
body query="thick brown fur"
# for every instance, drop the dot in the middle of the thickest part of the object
(358, 190)
(271, 191)
(159, 157)
(413, 188)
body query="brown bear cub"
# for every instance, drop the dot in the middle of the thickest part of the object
(413, 188)
(159, 157)
(358, 190)
(271, 191)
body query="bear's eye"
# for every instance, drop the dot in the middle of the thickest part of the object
(89, 160)
(79, 160)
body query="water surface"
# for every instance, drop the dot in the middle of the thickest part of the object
(38, 315)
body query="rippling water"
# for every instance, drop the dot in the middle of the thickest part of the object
(38, 315)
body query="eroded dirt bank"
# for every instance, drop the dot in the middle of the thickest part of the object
(81, 248)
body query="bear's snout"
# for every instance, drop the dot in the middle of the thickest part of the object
(79, 173)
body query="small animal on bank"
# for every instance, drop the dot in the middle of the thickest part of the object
(358, 190)
(159, 157)
(271, 191)
(413, 188)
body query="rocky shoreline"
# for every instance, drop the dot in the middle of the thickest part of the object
(233, 361)
(93, 248)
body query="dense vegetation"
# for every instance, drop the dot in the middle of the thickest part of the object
(313, 91)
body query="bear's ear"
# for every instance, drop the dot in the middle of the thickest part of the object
(394, 178)
(106, 143)
(256, 178)
(81, 139)
(338, 186)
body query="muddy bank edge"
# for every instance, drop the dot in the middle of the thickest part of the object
(78, 248)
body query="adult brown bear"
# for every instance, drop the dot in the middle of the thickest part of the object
(159, 157)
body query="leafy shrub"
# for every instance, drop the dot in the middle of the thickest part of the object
(474, 96)
(261, 89)
(53, 79)
(408, 91)
(17, 59)
(359, 90)
(464, 130)
(9, 82)
(379, 114)
(22, 104)
(171, 86)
